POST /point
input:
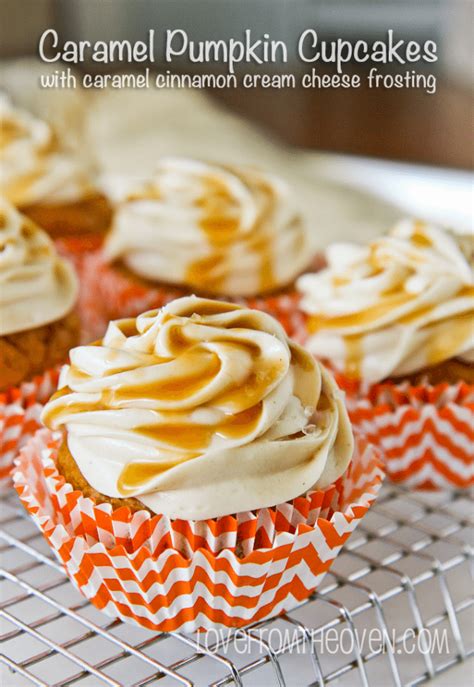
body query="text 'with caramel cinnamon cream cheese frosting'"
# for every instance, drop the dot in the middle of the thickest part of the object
(201, 409)
(218, 230)
(397, 306)
(37, 286)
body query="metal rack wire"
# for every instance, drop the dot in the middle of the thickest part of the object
(405, 575)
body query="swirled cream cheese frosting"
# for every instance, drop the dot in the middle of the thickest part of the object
(34, 168)
(216, 229)
(201, 409)
(36, 285)
(397, 306)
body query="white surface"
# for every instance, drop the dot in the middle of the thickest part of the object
(440, 195)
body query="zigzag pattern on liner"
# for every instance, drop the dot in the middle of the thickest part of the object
(20, 410)
(428, 446)
(203, 594)
(173, 591)
(99, 523)
(123, 297)
(162, 592)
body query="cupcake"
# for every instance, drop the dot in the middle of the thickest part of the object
(395, 321)
(45, 181)
(38, 325)
(193, 445)
(204, 229)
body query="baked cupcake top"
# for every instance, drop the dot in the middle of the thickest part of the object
(36, 285)
(220, 230)
(35, 169)
(201, 409)
(403, 303)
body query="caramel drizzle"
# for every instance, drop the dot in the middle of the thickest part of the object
(185, 439)
(17, 189)
(449, 337)
(195, 437)
(135, 475)
(452, 334)
(354, 356)
(10, 130)
(367, 317)
(220, 224)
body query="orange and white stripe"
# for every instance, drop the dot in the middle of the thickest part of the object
(426, 433)
(20, 409)
(110, 294)
(169, 575)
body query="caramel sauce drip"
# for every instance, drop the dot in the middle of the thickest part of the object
(450, 336)
(420, 239)
(301, 359)
(149, 191)
(135, 475)
(16, 190)
(196, 367)
(187, 438)
(354, 356)
(200, 369)
(52, 416)
(195, 437)
(251, 390)
(10, 130)
(340, 280)
(367, 317)
(221, 225)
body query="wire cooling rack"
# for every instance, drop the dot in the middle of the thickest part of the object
(395, 609)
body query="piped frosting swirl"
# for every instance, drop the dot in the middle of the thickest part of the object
(219, 230)
(201, 409)
(35, 168)
(37, 286)
(403, 303)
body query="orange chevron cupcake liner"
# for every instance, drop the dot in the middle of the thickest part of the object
(121, 296)
(174, 575)
(20, 409)
(426, 433)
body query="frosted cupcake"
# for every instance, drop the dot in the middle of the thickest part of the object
(199, 410)
(196, 442)
(44, 180)
(38, 325)
(397, 317)
(207, 229)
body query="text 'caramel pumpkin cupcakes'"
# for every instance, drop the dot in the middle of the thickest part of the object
(395, 320)
(200, 442)
(38, 325)
(44, 180)
(204, 229)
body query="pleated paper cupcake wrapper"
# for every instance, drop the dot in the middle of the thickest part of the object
(425, 433)
(76, 249)
(170, 575)
(20, 409)
(123, 296)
